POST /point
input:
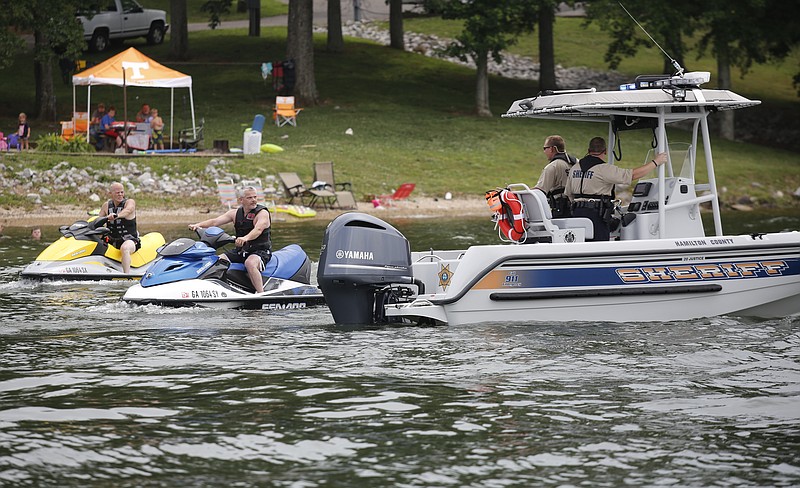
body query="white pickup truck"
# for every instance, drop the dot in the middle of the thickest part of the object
(122, 19)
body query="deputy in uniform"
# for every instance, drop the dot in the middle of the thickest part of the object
(253, 242)
(554, 176)
(590, 185)
(121, 213)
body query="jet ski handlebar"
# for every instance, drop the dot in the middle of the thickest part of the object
(214, 237)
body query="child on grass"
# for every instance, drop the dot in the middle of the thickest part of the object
(23, 132)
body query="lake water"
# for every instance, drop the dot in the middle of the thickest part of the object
(94, 392)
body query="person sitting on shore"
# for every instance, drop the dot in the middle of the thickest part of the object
(94, 122)
(107, 127)
(144, 114)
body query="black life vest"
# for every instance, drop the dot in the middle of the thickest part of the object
(244, 225)
(559, 203)
(120, 227)
(587, 163)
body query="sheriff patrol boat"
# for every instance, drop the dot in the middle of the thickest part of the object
(659, 265)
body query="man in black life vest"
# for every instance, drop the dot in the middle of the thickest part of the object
(590, 185)
(121, 213)
(253, 243)
(554, 176)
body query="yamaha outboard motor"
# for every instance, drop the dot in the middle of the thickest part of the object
(360, 255)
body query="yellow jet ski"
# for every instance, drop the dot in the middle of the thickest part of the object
(83, 254)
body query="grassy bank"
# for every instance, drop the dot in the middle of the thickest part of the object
(410, 115)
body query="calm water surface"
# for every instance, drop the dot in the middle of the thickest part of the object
(94, 392)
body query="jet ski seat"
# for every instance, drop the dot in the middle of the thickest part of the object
(541, 226)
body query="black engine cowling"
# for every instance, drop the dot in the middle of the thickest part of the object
(360, 255)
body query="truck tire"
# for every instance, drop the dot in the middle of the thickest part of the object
(156, 34)
(99, 41)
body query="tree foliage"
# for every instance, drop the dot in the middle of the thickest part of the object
(490, 26)
(749, 31)
(57, 34)
(738, 33)
(669, 24)
(215, 10)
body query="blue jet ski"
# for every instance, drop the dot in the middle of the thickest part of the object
(190, 273)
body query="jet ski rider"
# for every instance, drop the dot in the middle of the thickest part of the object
(121, 213)
(253, 242)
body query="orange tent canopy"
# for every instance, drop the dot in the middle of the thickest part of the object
(132, 68)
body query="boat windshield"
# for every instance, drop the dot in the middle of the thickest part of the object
(681, 157)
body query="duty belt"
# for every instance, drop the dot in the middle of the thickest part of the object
(588, 204)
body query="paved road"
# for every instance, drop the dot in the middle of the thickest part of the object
(368, 10)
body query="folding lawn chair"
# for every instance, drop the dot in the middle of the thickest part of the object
(323, 171)
(192, 137)
(227, 192)
(295, 189)
(285, 111)
(402, 193)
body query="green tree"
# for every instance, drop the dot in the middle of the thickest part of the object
(738, 33)
(335, 41)
(668, 24)
(396, 40)
(57, 34)
(215, 10)
(300, 48)
(741, 33)
(547, 53)
(179, 30)
(489, 27)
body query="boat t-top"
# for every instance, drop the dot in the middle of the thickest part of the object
(659, 265)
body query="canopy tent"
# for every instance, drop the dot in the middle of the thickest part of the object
(132, 68)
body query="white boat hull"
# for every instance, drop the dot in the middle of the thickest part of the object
(659, 280)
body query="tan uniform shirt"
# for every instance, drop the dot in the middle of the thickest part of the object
(598, 180)
(553, 176)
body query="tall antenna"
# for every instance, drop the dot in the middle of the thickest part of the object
(678, 68)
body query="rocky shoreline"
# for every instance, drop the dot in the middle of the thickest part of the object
(412, 209)
(92, 185)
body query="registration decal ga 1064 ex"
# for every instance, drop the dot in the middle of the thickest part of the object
(76, 269)
(716, 271)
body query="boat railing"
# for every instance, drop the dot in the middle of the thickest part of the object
(688, 203)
